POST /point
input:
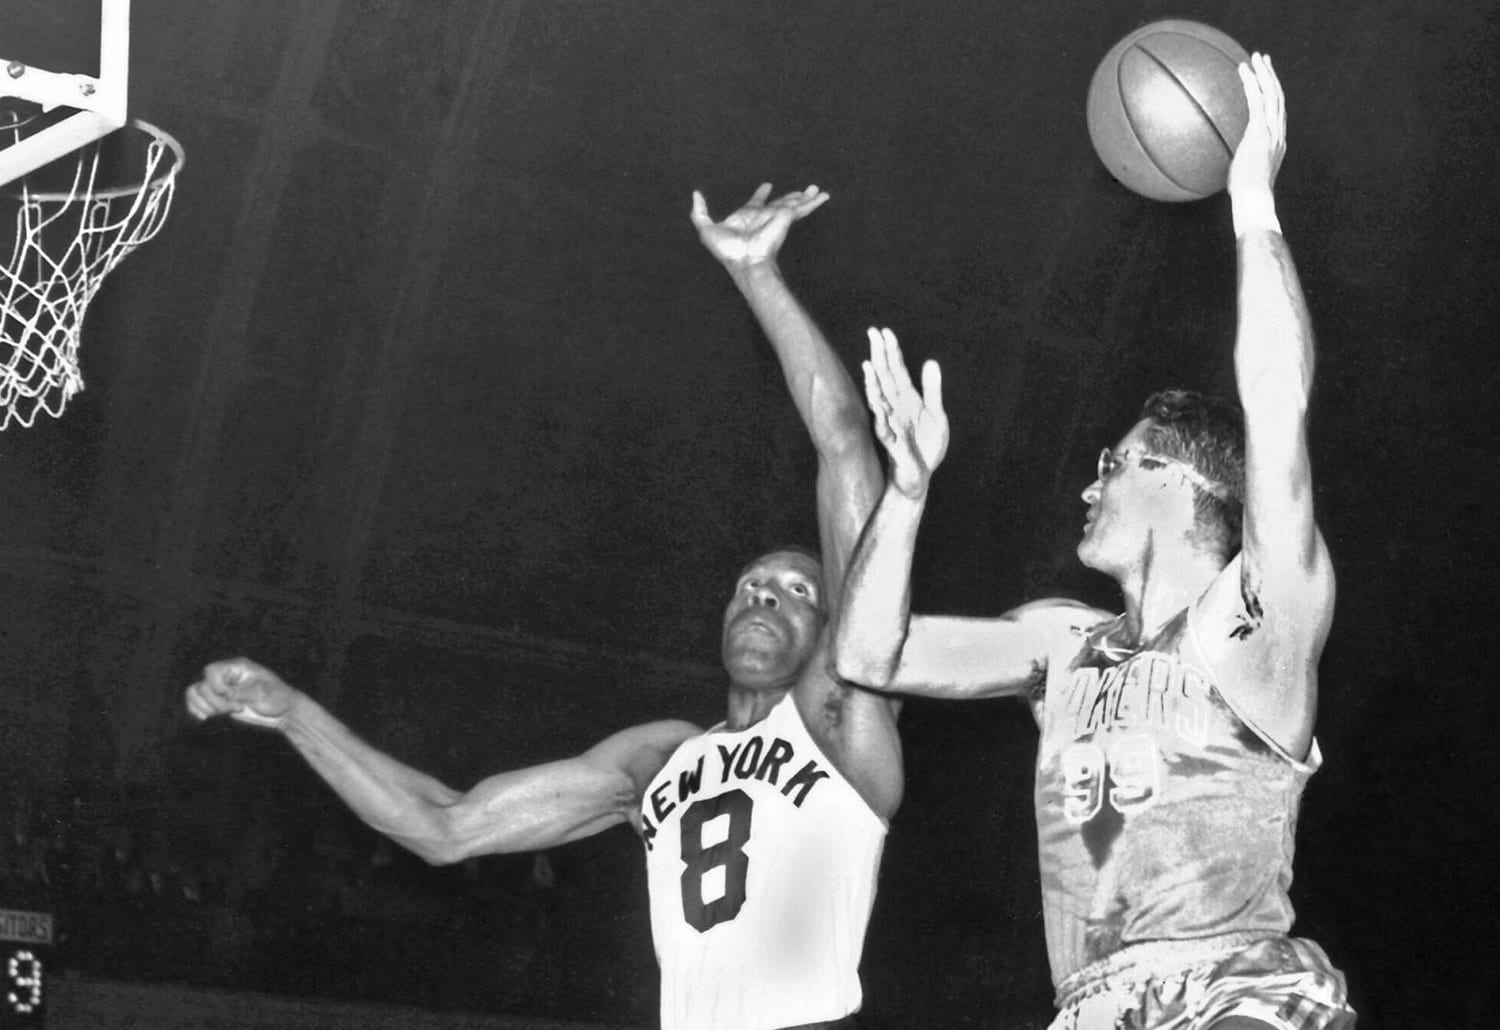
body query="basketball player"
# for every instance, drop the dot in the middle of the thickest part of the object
(1176, 737)
(763, 835)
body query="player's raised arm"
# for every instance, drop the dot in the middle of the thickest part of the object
(877, 641)
(856, 728)
(1285, 583)
(522, 810)
(912, 426)
(747, 243)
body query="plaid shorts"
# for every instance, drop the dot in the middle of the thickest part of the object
(1285, 982)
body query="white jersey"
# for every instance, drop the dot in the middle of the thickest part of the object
(761, 861)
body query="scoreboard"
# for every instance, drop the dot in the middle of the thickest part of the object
(25, 958)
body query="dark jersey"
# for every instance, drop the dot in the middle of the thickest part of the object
(1161, 813)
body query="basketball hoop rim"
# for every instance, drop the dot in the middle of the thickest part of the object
(179, 159)
(18, 119)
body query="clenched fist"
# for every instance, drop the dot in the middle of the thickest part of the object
(244, 691)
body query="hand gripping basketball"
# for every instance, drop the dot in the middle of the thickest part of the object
(244, 691)
(1258, 157)
(1166, 110)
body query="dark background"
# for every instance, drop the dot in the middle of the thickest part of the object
(428, 397)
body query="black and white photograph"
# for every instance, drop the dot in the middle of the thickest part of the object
(731, 515)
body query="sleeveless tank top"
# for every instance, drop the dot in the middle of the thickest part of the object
(1161, 814)
(761, 861)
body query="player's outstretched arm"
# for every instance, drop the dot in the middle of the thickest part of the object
(1271, 622)
(747, 243)
(913, 428)
(856, 728)
(877, 642)
(522, 810)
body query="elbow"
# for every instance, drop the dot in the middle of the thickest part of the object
(843, 429)
(1275, 399)
(436, 840)
(443, 853)
(1273, 379)
(852, 665)
(435, 851)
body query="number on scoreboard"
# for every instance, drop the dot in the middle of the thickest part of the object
(25, 954)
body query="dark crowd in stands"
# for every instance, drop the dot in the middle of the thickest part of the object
(277, 888)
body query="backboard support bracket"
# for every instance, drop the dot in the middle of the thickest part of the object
(100, 103)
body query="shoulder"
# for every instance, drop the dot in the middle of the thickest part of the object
(676, 730)
(640, 751)
(1246, 605)
(1054, 623)
(854, 728)
(1262, 648)
(664, 733)
(1062, 611)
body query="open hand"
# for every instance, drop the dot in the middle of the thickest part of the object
(910, 424)
(757, 230)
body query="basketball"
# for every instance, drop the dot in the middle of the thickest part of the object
(1166, 109)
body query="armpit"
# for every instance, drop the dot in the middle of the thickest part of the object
(1251, 614)
(1036, 684)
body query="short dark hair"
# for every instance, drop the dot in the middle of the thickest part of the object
(1208, 433)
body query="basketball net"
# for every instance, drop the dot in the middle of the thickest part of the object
(66, 241)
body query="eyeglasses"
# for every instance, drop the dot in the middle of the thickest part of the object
(1110, 463)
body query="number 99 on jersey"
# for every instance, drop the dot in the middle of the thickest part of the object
(25, 952)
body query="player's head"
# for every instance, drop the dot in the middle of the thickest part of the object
(772, 622)
(1180, 470)
(1207, 433)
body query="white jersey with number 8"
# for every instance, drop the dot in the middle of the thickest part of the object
(761, 861)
